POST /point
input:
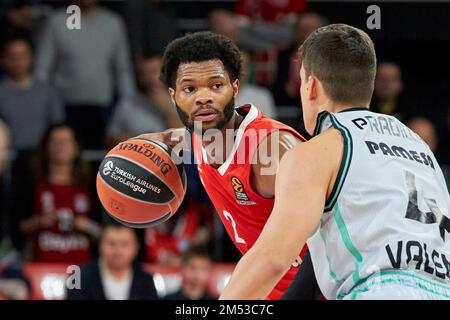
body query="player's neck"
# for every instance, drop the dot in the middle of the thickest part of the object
(216, 160)
(234, 123)
(338, 107)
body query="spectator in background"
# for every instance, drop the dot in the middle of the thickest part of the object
(5, 224)
(269, 21)
(254, 94)
(14, 285)
(87, 65)
(22, 17)
(151, 110)
(144, 20)
(389, 96)
(114, 276)
(26, 103)
(196, 270)
(427, 131)
(287, 86)
(443, 154)
(5, 138)
(224, 22)
(269, 11)
(27, 106)
(61, 227)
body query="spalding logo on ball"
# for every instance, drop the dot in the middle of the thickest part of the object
(139, 183)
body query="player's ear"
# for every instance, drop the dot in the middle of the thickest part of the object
(313, 87)
(235, 86)
(172, 94)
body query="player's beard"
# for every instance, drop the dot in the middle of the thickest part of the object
(224, 117)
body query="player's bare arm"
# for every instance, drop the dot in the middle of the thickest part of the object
(267, 159)
(300, 196)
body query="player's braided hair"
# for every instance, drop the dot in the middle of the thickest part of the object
(198, 47)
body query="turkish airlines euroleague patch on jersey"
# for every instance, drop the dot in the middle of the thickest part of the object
(239, 192)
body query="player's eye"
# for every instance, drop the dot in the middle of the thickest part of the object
(218, 85)
(188, 89)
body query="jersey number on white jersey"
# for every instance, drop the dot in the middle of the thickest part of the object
(413, 212)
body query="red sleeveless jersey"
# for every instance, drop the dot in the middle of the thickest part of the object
(242, 210)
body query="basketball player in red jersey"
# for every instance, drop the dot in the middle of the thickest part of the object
(202, 73)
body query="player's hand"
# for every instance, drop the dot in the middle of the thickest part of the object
(174, 138)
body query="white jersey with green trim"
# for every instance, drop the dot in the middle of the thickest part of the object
(386, 221)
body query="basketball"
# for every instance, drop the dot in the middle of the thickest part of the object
(140, 184)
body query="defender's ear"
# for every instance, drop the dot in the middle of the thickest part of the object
(313, 87)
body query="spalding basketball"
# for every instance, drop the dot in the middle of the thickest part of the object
(139, 184)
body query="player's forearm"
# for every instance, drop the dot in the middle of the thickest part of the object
(255, 276)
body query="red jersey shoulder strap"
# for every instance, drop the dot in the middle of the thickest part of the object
(262, 127)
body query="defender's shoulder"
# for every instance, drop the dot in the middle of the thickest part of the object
(322, 150)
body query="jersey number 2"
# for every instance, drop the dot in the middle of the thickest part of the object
(229, 217)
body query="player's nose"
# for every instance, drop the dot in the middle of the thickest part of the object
(203, 97)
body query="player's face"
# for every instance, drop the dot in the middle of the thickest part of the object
(118, 248)
(309, 115)
(204, 94)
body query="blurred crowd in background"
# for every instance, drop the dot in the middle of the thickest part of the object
(67, 96)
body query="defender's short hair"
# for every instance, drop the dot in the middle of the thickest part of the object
(343, 58)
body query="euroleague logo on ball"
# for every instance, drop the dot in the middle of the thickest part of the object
(108, 167)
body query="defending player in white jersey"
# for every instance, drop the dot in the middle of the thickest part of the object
(365, 193)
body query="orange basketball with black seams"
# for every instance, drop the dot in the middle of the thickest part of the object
(140, 184)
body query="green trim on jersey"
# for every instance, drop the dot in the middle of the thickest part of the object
(404, 278)
(354, 296)
(330, 269)
(344, 166)
(319, 120)
(345, 235)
